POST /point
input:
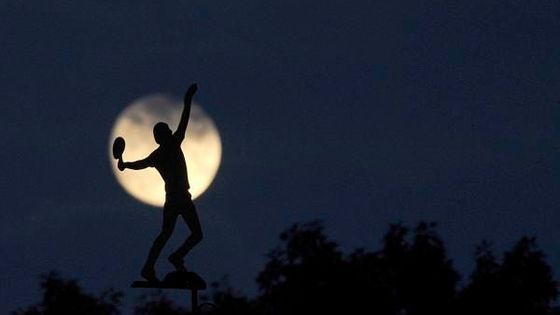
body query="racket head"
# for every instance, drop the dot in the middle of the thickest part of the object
(118, 147)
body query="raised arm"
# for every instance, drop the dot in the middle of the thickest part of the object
(182, 128)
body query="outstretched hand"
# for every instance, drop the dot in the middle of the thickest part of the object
(190, 92)
(120, 165)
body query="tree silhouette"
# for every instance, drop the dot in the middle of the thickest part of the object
(303, 274)
(66, 297)
(156, 303)
(481, 294)
(228, 301)
(527, 279)
(522, 284)
(429, 277)
(307, 274)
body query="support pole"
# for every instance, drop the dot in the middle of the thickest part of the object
(194, 301)
(178, 280)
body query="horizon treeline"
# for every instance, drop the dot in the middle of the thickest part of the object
(307, 273)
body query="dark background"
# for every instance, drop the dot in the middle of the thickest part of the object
(360, 113)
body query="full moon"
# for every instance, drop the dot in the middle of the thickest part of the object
(202, 146)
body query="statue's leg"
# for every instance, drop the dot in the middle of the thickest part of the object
(191, 218)
(169, 219)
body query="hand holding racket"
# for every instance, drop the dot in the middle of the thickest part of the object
(118, 149)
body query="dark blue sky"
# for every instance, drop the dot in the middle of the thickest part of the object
(360, 113)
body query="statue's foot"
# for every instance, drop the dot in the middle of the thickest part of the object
(149, 274)
(177, 262)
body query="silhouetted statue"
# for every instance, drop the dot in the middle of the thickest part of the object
(169, 161)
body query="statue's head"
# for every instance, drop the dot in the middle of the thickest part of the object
(162, 133)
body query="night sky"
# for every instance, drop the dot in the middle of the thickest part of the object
(361, 113)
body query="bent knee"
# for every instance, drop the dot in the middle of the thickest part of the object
(165, 234)
(197, 236)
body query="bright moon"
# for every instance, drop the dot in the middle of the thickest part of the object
(202, 147)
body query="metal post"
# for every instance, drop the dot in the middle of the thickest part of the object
(194, 301)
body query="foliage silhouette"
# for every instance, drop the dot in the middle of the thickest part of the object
(410, 274)
(521, 284)
(308, 274)
(230, 301)
(66, 297)
(157, 304)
